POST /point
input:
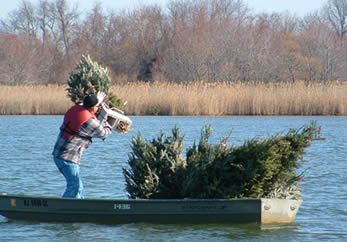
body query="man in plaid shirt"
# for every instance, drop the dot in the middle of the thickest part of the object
(79, 127)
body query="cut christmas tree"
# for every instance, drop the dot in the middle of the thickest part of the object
(91, 78)
(260, 168)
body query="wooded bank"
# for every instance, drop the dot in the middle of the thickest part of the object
(185, 41)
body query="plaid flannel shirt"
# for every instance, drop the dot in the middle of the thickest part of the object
(72, 150)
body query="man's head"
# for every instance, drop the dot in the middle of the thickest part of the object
(90, 101)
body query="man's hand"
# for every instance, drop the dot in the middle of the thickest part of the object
(100, 96)
(108, 126)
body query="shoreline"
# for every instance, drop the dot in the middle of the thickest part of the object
(193, 116)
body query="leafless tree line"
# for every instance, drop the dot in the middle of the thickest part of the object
(189, 40)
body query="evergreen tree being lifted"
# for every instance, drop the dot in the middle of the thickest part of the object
(91, 78)
(260, 168)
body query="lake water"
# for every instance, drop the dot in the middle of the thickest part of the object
(26, 167)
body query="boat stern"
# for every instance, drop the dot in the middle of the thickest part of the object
(279, 210)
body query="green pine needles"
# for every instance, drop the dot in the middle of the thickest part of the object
(91, 78)
(157, 167)
(264, 168)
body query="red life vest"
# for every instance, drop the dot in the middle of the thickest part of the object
(74, 118)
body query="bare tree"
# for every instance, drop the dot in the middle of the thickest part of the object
(336, 12)
(134, 42)
(20, 60)
(46, 19)
(22, 20)
(67, 20)
(90, 37)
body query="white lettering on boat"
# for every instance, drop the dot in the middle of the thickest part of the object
(121, 206)
(35, 203)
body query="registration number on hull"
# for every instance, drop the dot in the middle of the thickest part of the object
(35, 203)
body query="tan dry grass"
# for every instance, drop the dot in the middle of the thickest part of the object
(216, 99)
(196, 99)
(33, 100)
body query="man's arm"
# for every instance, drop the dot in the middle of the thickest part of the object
(93, 128)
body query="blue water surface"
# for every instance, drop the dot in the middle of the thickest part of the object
(26, 167)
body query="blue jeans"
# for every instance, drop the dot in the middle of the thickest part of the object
(71, 172)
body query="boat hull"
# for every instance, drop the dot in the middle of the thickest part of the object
(119, 211)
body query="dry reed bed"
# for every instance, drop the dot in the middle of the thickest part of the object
(33, 100)
(210, 99)
(249, 98)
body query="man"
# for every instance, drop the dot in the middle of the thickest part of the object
(79, 127)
